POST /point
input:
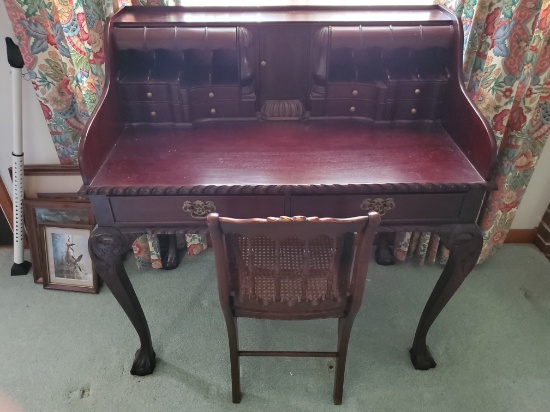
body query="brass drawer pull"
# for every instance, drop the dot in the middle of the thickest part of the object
(212, 111)
(417, 91)
(211, 95)
(199, 209)
(354, 93)
(352, 109)
(413, 110)
(149, 95)
(378, 205)
(153, 114)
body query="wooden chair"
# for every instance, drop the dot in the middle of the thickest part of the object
(291, 268)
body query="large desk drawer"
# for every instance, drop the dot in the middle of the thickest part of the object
(396, 207)
(173, 209)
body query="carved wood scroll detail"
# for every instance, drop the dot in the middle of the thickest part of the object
(107, 245)
(378, 205)
(198, 208)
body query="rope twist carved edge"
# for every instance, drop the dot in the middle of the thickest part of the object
(285, 189)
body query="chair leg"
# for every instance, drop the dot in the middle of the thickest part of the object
(344, 332)
(232, 334)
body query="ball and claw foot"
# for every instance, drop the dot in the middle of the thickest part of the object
(422, 360)
(143, 364)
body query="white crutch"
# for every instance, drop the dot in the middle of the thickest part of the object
(15, 60)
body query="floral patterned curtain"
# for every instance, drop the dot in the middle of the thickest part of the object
(62, 46)
(507, 74)
(506, 71)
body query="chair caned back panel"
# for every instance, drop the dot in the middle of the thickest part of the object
(290, 270)
(291, 267)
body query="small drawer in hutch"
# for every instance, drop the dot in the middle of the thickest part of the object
(350, 107)
(215, 110)
(412, 109)
(352, 91)
(420, 90)
(150, 92)
(153, 112)
(214, 93)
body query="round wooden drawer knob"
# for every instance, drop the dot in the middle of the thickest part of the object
(153, 114)
(149, 95)
(354, 93)
(352, 109)
(212, 111)
(413, 111)
(417, 91)
(211, 95)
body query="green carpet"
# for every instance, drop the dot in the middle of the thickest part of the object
(66, 351)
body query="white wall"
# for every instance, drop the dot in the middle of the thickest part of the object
(537, 196)
(37, 144)
(39, 148)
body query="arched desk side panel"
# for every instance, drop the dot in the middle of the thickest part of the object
(105, 123)
(464, 121)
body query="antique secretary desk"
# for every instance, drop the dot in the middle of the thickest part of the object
(269, 111)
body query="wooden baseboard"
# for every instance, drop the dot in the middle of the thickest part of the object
(521, 236)
(49, 170)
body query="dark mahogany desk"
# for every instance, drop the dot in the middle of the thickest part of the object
(196, 118)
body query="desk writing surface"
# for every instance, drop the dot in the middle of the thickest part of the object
(284, 153)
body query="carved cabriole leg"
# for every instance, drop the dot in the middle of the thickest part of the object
(464, 244)
(107, 246)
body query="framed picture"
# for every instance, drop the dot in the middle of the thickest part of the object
(62, 196)
(61, 211)
(68, 262)
(6, 204)
(6, 217)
